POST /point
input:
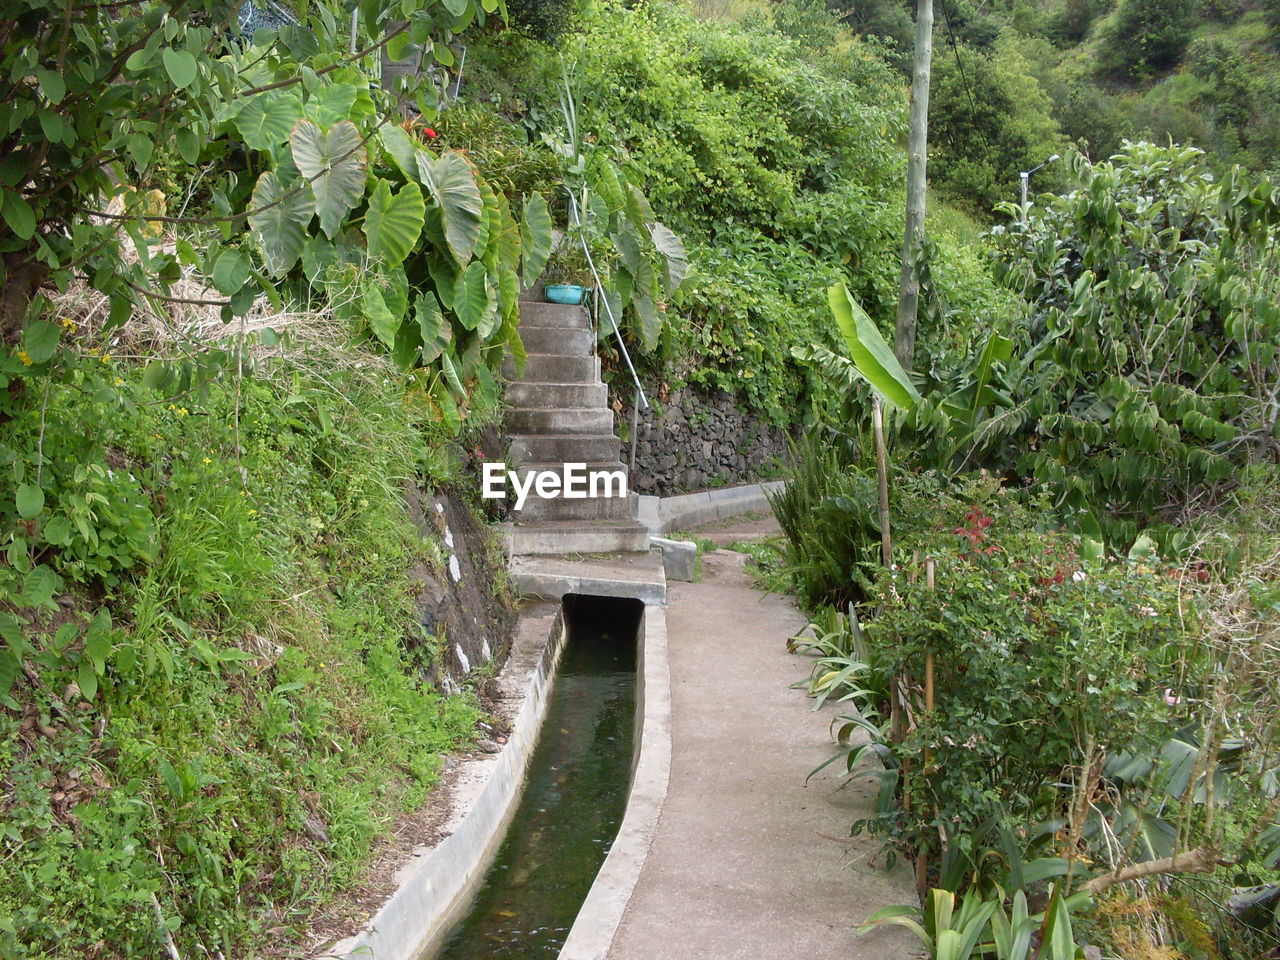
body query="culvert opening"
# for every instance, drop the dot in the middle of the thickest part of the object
(575, 793)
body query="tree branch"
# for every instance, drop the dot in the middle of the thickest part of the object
(168, 299)
(359, 55)
(1200, 860)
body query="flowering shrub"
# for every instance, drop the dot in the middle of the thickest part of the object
(1037, 652)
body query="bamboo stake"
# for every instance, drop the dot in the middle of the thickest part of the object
(882, 477)
(922, 862)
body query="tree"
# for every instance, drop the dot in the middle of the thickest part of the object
(1147, 36)
(97, 95)
(990, 119)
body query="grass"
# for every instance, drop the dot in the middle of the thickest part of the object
(263, 716)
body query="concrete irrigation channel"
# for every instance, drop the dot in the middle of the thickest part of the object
(603, 646)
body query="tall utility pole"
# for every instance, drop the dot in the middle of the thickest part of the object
(904, 331)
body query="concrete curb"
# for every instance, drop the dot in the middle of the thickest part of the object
(593, 931)
(664, 514)
(434, 890)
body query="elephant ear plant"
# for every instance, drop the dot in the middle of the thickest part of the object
(640, 262)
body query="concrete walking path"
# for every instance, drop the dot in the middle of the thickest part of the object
(746, 863)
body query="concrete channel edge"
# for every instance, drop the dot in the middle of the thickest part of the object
(597, 922)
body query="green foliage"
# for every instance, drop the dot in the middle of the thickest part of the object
(1015, 615)
(1151, 341)
(951, 934)
(991, 120)
(1147, 35)
(230, 708)
(162, 79)
(544, 20)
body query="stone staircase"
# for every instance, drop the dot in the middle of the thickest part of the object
(559, 413)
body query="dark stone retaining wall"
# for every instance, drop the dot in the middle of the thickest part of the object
(696, 440)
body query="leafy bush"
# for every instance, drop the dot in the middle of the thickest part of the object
(1036, 652)
(1145, 370)
(545, 20)
(1144, 36)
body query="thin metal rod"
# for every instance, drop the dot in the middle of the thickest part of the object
(608, 308)
(355, 26)
(457, 84)
(635, 433)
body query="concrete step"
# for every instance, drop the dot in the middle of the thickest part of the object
(639, 575)
(554, 368)
(559, 420)
(563, 448)
(566, 341)
(553, 537)
(593, 508)
(556, 396)
(534, 314)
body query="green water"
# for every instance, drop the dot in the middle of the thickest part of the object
(575, 795)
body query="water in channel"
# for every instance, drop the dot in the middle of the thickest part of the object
(574, 797)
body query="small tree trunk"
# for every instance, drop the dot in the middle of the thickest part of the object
(904, 335)
(19, 284)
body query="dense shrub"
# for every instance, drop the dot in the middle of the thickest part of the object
(1037, 652)
(990, 119)
(1147, 35)
(1151, 354)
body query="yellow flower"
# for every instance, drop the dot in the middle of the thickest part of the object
(68, 324)
(118, 381)
(253, 513)
(25, 358)
(182, 411)
(207, 460)
(106, 358)
(173, 406)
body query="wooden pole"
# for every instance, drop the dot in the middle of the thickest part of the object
(904, 336)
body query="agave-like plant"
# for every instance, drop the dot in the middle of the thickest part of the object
(949, 932)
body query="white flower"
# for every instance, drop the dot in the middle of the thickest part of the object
(1078, 576)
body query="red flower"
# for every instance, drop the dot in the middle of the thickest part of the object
(431, 134)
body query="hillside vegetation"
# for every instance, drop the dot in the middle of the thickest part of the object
(253, 313)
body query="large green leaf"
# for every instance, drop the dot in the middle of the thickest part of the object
(452, 184)
(334, 161)
(402, 149)
(331, 104)
(474, 299)
(279, 221)
(382, 321)
(393, 223)
(231, 271)
(650, 319)
(267, 118)
(536, 238)
(870, 354)
(432, 327)
(676, 259)
(180, 65)
(507, 245)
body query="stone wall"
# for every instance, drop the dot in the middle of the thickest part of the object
(696, 440)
